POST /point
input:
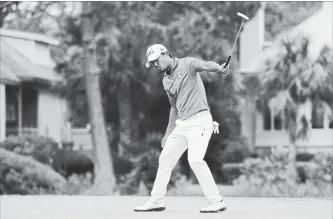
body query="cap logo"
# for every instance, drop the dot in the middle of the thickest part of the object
(150, 51)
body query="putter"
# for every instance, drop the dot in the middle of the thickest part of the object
(233, 47)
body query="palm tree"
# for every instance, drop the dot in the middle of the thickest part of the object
(293, 83)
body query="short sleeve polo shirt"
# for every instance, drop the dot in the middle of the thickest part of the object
(185, 84)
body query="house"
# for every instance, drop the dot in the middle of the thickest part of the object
(265, 130)
(27, 102)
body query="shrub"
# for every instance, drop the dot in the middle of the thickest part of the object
(145, 168)
(277, 176)
(78, 184)
(69, 162)
(122, 165)
(47, 151)
(231, 172)
(40, 148)
(304, 157)
(237, 151)
(181, 186)
(15, 182)
(322, 169)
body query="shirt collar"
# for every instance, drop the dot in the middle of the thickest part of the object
(175, 64)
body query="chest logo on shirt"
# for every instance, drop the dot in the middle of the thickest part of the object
(179, 75)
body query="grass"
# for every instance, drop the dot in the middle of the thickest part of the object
(302, 191)
(181, 207)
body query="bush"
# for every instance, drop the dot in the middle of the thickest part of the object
(304, 157)
(145, 168)
(181, 186)
(40, 148)
(20, 174)
(277, 176)
(13, 181)
(69, 162)
(230, 173)
(47, 151)
(322, 169)
(237, 151)
(78, 185)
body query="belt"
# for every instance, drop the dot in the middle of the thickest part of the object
(200, 113)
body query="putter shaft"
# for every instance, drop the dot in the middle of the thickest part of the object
(233, 47)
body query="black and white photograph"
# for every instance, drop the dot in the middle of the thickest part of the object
(166, 109)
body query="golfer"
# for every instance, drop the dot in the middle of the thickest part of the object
(190, 125)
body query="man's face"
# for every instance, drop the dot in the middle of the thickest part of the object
(161, 63)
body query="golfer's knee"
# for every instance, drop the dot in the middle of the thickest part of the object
(167, 162)
(196, 162)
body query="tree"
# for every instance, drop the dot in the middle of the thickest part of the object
(7, 7)
(133, 97)
(284, 15)
(105, 179)
(292, 83)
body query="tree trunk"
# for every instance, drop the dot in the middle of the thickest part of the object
(127, 122)
(42, 173)
(104, 173)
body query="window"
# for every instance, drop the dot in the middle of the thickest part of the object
(330, 119)
(286, 121)
(11, 104)
(267, 118)
(11, 113)
(275, 122)
(278, 121)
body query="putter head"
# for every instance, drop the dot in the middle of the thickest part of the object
(243, 16)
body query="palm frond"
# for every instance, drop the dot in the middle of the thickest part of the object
(319, 77)
(279, 103)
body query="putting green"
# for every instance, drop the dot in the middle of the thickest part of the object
(121, 207)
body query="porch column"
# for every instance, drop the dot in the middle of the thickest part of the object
(2, 112)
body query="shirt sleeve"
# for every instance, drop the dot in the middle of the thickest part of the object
(193, 63)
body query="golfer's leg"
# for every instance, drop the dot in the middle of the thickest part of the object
(197, 146)
(172, 151)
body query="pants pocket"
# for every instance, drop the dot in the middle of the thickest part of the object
(206, 131)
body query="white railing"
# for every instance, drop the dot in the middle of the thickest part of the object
(81, 137)
(24, 131)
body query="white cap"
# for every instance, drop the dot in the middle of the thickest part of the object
(153, 52)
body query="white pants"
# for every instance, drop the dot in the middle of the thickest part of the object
(192, 134)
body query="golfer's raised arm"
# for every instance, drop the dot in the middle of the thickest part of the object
(200, 65)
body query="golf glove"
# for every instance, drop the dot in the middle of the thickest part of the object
(225, 70)
(216, 127)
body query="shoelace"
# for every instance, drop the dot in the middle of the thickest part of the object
(155, 201)
(213, 202)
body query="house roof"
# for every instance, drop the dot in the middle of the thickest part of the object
(15, 67)
(29, 36)
(318, 28)
(6, 77)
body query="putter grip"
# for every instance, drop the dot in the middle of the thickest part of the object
(226, 64)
